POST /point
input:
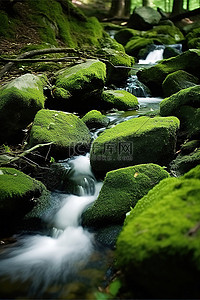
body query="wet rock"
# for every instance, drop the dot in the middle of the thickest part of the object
(144, 18)
(193, 39)
(84, 82)
(124, 35)
(107, 236)
(185, 105)
(177, 81)
(20, 100)
(159, 244)
(19, 194)
(167, 34)
(95, 119)
(68, 134)
(121, 190)
(136, 141)
(137, 44)
(119, 99)
(154, 76)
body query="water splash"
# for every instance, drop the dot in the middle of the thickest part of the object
(153, 56)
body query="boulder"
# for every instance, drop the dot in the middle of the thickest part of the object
(154, 76)
(114, 59)
(194, 43)
(185, 105)
(121, 190)
(177, 81)
(193, 174)
(19, 194)
(119, 99)
(135, 45)
(84, 82)
(68, 134)
(144, 18)
(20, 100)
(171, 51)
(95, 119)
(193, 38)
(167, 34)
(136, 141)
(159, 244)
(125, 34)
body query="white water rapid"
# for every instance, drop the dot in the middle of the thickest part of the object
(44, 260)
(153, 56)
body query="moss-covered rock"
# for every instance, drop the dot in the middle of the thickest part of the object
(116, 60)
(110, 43)
(19, 194)
(190, 146)
(84, 82)
(68, 134)
(121, 190)
(124, 35)
(177, 81)
(160, 242)
(185, 105)
(95, 119)
(144, 18)
(136, 141)
(193, 39)
(135, 45)
(167, 34)
(153, 77)
(184, 163)
(119, 99)
(193, 174)
(19, 102)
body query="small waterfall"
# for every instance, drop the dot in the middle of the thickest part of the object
(45, 260)
(154, 56)
(137, 88)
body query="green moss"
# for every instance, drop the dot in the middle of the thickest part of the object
(177, 81)
(146, 140)
(154, 76)
(119, 99)
(121, 190)
(159, 245)
(124, 35)
(193, 174)
(190, 146)
(7, 25)
(95, 119)
(107, 42)
(136, 44)
(167, 34)
(66, 131)
(195, 33)
(194, 43)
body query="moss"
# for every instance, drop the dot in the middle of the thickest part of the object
(121, 190)
(66, 131)
(18, 195)
(145, 140)
(193, 173)
(177, 81)
(194, 43)
(184, 163)
(19, 102)
(107, 42)
(154, 76)
(136, 44)
(167, 34)
(159, 245)
(119, 99)
(195, 33)
(95, 119)
(124, 35)
(190, 146)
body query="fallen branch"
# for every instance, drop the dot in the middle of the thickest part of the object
(33, 60)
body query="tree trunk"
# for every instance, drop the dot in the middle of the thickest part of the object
(127, 8)
(117, 8)
(177, 7)
(146, 2)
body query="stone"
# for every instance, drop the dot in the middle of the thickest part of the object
(20, 100)
(124, 35)
(154, 76)
(167, 34)
(19, 194)
(177, 81)
(135, 45)
(144, 18)
(121, 190)
(119, 99)
(185, 105)
(159, 244)
(95, 119)
(67, 132)
(136, 141)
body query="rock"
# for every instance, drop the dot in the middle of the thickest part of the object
(110, 43)
(185, 105)
(20, 100)
(177, 81)
(19, 194)
(190, 146)
(153, 77)
(116, 58)
(119, 99)
(135, 45)
(167, 34)
(124, 35)
(193, 39)
(144, 18)
(171, 51)
(84, 82)
(66, 131)
(184, 163)
(121, 190)
(107, 236)
(95, 119)
(193, 174)
(136, 141)
(159, 244)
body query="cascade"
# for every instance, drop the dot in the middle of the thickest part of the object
(154, 56)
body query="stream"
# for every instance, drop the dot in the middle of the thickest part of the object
(67, 262)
